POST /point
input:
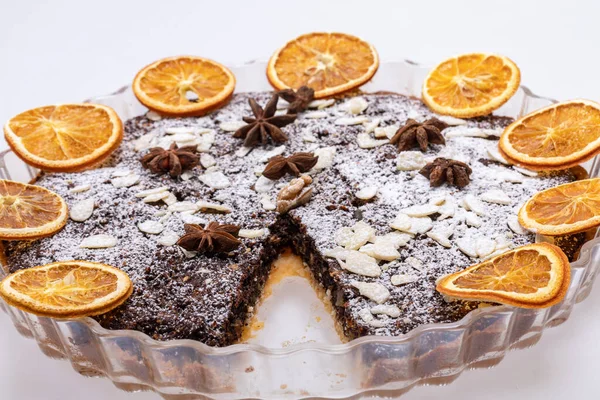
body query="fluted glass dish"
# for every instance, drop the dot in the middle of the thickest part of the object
(187, 369)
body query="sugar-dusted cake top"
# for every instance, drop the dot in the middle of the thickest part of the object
(359, 179)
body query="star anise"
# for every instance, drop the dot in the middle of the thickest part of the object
(298, 100)
(214, 238)
(175, 160)
(446, 170)
(419, 134)
(295, 164)
(264, 124)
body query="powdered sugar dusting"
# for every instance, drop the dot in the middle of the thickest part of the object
(182, 295)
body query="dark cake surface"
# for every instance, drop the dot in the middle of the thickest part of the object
(178, 294)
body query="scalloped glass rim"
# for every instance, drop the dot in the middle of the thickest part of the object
(374, 363)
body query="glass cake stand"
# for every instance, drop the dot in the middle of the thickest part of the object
(187, 369)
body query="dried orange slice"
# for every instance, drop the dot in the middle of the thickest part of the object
(67, 289)
(569, 208)
(29, 211)
(65, 138)
(531, 276)
(184, 85)
(329, 63)
(471, 85)
(554, 137)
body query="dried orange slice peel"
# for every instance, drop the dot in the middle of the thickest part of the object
(531, 276)
(68, 289)
(329, 63)
(65, 138)
(184, 85)
(569, 208)
(29, 211)
(471, 85)
(554, 137)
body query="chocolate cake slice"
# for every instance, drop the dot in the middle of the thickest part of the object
(412, 232)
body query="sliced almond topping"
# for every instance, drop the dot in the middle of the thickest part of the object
(320, 104)
(473, 132)
(207, 161)
(308, 137)
(153, 116)
(205, 206)
(354, 237)
(515, 226)
(145, 142)
(525, 172)
(402, 222)
(472, 219)
(125, 181)
(168, 238)
(467, 246)
(347, 121)
(394, 239)
(386, 131)
(153, 198)
(263, 184)
(447, 210)
(380, 251)
(496, 196)
(420, 210)
(511, 176)
(243, 151)
(388, 309)
(367, 193)
(163, 220)
(360, 264)
(337, 252)
(148, 192)
(326, 156)
(98, 242)
(415, 263)
(182, 206)
(82, 210)
(267, 155)
(120, 173)
(175, 130)
(368, 318)
(231, 126)
(191, 219)
(442, 235)
(452, 121)
(215, 179)
(410, 161)
(496, 156)
(365, 141)
(373, 291)
(150, 227)
(484, 246)
(403, 279)
(471, 203)
(170, 199)
(252, 233)
(355, 105)
(80, 189)
(316, 114)
(371, 125)
(267, 203)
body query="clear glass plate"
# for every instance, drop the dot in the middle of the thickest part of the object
(186, 369)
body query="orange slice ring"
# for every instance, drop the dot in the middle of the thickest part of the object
(184, 85)
(329, 63)
(471, 85)
(66, 137)
(531, 276)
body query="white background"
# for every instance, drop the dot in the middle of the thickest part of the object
(66, 51)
